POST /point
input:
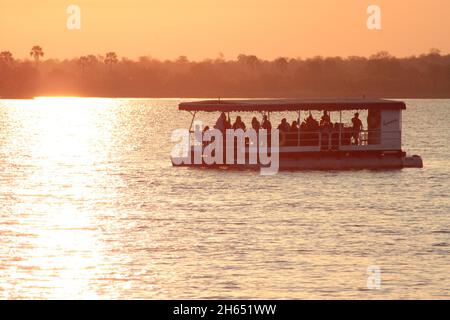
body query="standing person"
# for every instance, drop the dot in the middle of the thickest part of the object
(357, 127)
(266, 125)
(256, 126)
(222, 125)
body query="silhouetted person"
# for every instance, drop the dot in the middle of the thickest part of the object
(311, 137)
(357, 127)
(294, 126)
(284, 128)
(293, 133)
(266, 123)
(311, 123)
(228, 123)
(303, 126)
(221, 123)
(238, 124)
(255, 124)
(284, 125)
(325, 120)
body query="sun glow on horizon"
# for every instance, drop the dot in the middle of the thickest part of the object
(203, 29)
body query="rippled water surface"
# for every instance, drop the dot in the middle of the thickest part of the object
(90, 207)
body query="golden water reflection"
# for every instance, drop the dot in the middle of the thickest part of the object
(56, 247)
(90, 207)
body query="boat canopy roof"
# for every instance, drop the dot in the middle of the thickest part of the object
(251, 105)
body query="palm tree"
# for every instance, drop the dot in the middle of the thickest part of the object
(110, 59)
(6, 57)
(36, 52)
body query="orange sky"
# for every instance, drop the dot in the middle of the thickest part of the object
(204, 28)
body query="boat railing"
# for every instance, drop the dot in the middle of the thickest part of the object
(334, 139)
(331, 139)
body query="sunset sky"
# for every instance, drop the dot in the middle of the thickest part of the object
(205, 28)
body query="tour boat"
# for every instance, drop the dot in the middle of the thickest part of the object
(377, 146)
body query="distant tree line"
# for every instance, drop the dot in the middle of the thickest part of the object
(380, 75)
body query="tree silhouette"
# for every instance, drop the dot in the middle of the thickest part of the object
(380, 75)
(110, 59)
(381, 55)
(6, 58)
(36, 52)
(281, 64)
(435, 52)
(83, 61)
(182, 60)
(250, 61)
(91, 59)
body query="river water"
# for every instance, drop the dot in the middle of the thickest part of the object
(90, 207)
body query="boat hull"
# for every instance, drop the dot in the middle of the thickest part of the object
(335, 160)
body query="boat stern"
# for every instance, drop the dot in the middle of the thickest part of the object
(413, 161)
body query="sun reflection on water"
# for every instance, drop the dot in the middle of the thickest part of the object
(90, 207)
(66, 137)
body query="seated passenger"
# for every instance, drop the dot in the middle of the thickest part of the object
(327, 126)
(311, 137)
(221, 123)
(284, 125)
(266, 123)
(255, 124)
(311, 123)
(303, 126)
(238, 124)
(293, 134)
(294, 126)
(325, 120)
(337, 126)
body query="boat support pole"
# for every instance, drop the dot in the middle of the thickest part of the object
(340, 128)
(298, 123)
(192, 121)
